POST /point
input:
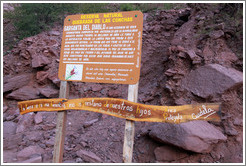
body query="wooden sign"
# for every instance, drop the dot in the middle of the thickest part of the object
(102, 48)
(125, 109)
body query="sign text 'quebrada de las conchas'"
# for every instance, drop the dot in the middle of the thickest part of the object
(102, 47)
(128, 110)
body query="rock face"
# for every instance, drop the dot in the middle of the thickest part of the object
(168, 153)
(88, 156)
(49, 92)
(15, 82)
(196, 136)
(211, 79)
(25, 93)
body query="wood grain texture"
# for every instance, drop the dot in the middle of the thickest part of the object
(130, 127)
(61, 126)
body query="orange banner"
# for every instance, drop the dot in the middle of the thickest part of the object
(128, 110)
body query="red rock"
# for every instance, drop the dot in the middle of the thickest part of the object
(29, 39)
(12, 141)
(90, 123)
(48, 126)
(25, 122)
(181, 49)
(182, 55)
(50, 142)
(38, 118)
(39, 60)
(114, 93)
(49, 92)
(54, 33)
(54, 78)
(195, 58)
(170, 72)
(97, 87)
(230, 129)
(42, 77)
(5, 108)
(27, 152)
(88, 156)
(34, 135)
(53, 51)
(196, 136)
(35, 159)
(216, 34)
(227, 56)
(211, 80)
(12, 113)
(18, 81)
(9, 156)
(238, 121)
(25, 93)
(9, 128)
(25, 54)
(169, 153)
(208, 53)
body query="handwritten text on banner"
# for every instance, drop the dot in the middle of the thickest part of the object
(128, 110)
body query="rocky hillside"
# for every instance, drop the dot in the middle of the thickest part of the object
(189, 56)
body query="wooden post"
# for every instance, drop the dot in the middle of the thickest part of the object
(61, 125)
(130, 127)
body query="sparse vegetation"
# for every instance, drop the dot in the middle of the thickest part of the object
(29, 19)
(32, 18)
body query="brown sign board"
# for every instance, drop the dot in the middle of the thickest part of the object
(102, 48)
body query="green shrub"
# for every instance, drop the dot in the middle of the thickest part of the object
(32, 18)
(127, 7)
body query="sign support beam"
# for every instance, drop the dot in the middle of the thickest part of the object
(61, 126)
(130, 127)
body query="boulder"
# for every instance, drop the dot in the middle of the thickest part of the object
(196, 136)
(169, 153)
(41, 77)
(39, 60)
(18, 81)
(38, 118)
(88, 156)
(211, 79)
(49, 92)
(28, 152)
(24, 93)
(25, 122)
(9, 128)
